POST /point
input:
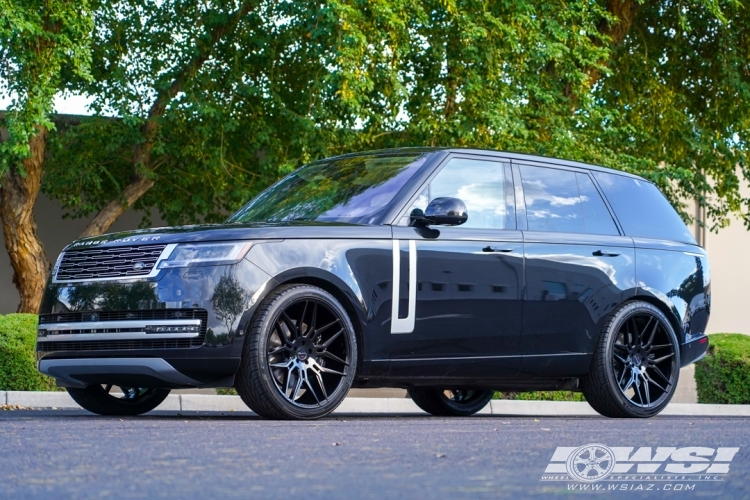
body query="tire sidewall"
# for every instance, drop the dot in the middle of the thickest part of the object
(623, 315)
(466, 409)
(280, 302)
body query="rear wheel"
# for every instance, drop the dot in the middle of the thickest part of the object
(635, 368)
(450, 402)
(102, 399)
(301, 355)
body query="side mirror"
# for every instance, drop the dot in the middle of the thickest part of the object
(442, 211)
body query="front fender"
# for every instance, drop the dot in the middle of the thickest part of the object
(358, 272)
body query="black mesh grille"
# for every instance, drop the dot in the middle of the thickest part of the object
(111, 345)
(135, 315)
(108, 345)
(96, 263)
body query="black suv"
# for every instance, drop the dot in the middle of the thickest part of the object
(450, 272)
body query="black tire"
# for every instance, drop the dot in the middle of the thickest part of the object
(636, 365)
(135, 401)
(300, 357)
(458, 403)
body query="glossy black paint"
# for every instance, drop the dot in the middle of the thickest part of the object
(446, 212)
(503, 309)
(468, 304)
(573, 282)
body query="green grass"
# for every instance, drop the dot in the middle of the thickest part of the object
(17, 357)
(541, 396)
(226, 391)
(723, 376)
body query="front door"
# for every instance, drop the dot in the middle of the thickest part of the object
(463, 319)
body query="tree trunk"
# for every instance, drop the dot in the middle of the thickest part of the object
(19, 193)
(115, 208)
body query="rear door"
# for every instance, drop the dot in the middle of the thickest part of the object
(578, 268)
(466, 315)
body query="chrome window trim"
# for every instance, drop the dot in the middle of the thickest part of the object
(154, 272)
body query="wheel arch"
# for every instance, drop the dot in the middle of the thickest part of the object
(331, 284)
(666, 310)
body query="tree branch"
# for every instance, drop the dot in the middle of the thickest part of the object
(141, 183)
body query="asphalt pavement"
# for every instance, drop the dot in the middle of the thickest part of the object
(74, 454)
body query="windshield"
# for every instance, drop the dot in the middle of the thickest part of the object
(350, 189)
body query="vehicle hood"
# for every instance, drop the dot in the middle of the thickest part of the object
(233, 232)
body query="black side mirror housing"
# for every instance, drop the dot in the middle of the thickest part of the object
(441, 211)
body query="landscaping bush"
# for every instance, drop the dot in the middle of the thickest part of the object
(723, 376)
(17, 359)
(542, 396)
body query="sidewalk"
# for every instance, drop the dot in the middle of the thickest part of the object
(373, 406)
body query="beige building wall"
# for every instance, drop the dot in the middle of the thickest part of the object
(729, 258)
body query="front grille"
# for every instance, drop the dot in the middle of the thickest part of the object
(109, 345)
(117, 262)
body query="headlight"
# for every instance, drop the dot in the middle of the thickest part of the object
(206, 254)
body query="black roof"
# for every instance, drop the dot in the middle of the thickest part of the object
(501, 154)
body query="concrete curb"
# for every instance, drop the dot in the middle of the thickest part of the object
(377, 406)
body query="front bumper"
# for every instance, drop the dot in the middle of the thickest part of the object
(130, 372)
(183, 328)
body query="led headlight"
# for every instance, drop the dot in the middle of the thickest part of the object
(206, 254)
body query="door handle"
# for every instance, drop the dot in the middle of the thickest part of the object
(490, 249)
(601, 253)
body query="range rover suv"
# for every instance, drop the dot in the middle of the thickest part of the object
(450, 272)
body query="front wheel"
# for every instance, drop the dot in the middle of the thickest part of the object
(636, 365)
(300, 357)
(128, 402)
(450, 402)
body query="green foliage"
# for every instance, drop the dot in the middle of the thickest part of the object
(42, 44)
(226, 391)
(18, 370)
(541, 396)
(678, 101)
(723, 376)
(299, 81)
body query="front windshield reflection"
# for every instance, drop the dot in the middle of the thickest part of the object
(347, 189)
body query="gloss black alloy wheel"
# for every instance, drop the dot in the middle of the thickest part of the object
(129, 401)
(450, 402)
(300, 356)
(636, 365)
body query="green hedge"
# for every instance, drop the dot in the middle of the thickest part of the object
(723, 376)
(17, 359)
(542, 396)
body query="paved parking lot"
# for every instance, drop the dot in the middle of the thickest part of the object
(73, 454)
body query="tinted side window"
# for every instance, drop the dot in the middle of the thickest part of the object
(552, 200)
(481, 185)
(642, 209)
(596, 217)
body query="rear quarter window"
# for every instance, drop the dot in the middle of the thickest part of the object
(643, 211)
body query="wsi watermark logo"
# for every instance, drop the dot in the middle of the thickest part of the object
(667, 468)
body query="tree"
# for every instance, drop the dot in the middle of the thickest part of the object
(39, 41)
(679, 95)
(202, 104)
